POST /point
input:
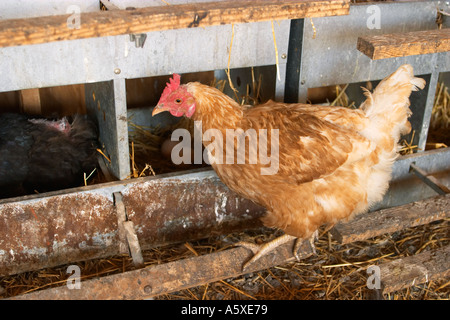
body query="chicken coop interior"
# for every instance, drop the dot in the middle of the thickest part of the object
(142, 227)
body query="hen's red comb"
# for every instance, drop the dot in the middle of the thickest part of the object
(171, 86)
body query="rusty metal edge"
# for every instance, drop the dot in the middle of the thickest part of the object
(111, 187)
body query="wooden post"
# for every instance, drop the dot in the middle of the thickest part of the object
(30, 101)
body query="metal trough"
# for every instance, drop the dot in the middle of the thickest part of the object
(78, 224)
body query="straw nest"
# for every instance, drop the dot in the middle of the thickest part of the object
(145, 149)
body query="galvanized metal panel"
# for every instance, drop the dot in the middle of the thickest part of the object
(405, 187)
(332, 58)
(59, 63)
(107, 101)
(18, 9)
(165, 52)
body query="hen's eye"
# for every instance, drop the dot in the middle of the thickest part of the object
(178, 101)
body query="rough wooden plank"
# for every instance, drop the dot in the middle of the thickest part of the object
(405, 44)
(17, 32)
(172, 276)
(420, 268)
(373, 224)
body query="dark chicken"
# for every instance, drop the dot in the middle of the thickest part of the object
(40, 155)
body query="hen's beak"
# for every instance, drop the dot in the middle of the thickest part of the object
(158, 109)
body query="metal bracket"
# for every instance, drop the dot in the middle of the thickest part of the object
(432, 182)
(139, 39)
(105, 5)
(129, 242)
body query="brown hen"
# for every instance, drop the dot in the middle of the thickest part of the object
(326, 163)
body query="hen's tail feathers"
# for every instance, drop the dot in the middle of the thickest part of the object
(388, 106)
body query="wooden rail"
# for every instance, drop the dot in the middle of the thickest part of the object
(172, 276)
(405, 44)
(372, 224)
(16, 32)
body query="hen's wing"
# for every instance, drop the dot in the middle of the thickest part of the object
(311, 145)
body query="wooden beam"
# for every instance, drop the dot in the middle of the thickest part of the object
(173, 276)
(405, 44)
(373, 224)
(420, 268)
(16, 32)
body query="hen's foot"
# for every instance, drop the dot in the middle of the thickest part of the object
(261, 250)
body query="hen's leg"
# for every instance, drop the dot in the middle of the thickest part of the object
(311, 240)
